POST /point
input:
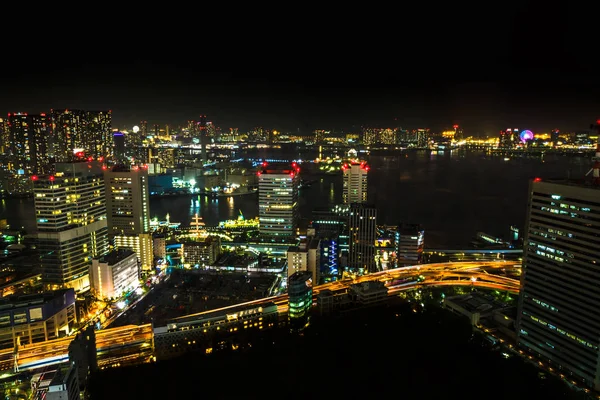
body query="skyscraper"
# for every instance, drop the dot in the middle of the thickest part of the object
(70, 210)
(127, 200)
(558, 315)
(278, 201)
(355, 182)
(362, 226)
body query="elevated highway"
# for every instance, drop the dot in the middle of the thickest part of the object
(115, 344)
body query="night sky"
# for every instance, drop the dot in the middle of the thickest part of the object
(507, 64)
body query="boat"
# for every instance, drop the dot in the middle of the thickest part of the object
(240, 223)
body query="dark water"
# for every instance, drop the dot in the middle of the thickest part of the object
(452, 195)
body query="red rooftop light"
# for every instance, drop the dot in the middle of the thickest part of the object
(51, 178)
(537, 180)
(34, 178)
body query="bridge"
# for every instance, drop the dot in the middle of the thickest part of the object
(135, 342)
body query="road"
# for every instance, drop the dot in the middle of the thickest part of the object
(132, 342)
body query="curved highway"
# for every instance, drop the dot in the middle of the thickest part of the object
(111, 342)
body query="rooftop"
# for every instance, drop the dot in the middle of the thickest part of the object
(582, 183)
(300, 276)
(31, 299)
(116, 255)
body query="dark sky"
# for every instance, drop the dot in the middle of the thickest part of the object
(512, 63)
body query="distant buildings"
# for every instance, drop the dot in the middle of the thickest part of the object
(70, 209)
(83, 131)
(114, 274)
(300, 291)
(355, 182)
(362, 226)
(410, 241)
(278, 202)
(27, 146)
(558, 309)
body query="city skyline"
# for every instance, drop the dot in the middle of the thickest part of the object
(514, 67)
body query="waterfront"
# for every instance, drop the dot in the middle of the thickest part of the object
(472, 192)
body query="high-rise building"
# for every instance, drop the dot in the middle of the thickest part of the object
(41, 127)
(21, 144)
(362, 226)
(558, 315)
(355, 182)
(27, 143)
(81, 131)
(410, 240)
(70, 210)
(278, 201)
(127, 200)
(97, 139)
(300, 293)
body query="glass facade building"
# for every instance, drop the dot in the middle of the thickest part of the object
(300, 293)
(558, 309)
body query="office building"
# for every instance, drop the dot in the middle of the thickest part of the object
(558, 316)
(70, 209)
(355, 182)
(410, 240)
(362, 227)
(300, 293)
(127, 200)
(35, 318)
(278, 202)
(141, 244)
(115, 274)
(305, 257)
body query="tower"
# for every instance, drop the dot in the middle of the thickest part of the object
(278, 201)
(355, 182)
